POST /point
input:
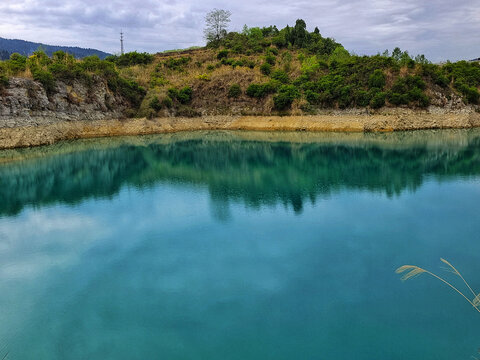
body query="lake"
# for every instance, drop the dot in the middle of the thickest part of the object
(240, 245)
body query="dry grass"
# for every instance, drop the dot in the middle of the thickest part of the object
(412, 271)
(210, 80)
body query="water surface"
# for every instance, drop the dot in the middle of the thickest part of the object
(239, 245)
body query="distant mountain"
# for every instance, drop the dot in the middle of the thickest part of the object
(27, 48)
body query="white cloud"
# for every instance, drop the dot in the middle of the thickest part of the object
(439, 28)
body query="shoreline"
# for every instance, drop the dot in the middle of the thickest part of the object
(29, 136)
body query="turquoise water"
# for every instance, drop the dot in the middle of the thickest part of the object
(233, 245)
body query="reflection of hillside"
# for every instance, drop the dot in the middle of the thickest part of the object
(255, 172)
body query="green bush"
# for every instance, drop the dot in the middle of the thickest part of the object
(63, 72)
(204, 77)
(226, 61)
(362, 98)
(235, 91)
(265, 69)
(286, 95)
(130, 90)
(46, 79)
(415, 82)
(185, 95)
(270, 59)
(378, 100)
(177, 64)
(397, 99)
(131, 58)
(260, 90)
(470, 93)
(312, 97)
(222, 54)
(172, 93)
(377, 80)
(167, 102)
(17, 63)
(155, 104)
(281, 76)
(272, 51)
(3, 81)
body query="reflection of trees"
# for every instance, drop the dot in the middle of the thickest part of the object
(253, 172)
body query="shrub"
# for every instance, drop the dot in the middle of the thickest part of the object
(286, 95)
(17, 63)
(226, 61)
(249, 63)
(272, 50)
(177, 64)
(260, 90)
(222, 54)
(131, 58)
(312, 97)
(210, 67)
(157, 80)
(3, 81)
(377, 80)
(62, 72)
(362, 98)
(378, 100)
(270, 59)
(281, 76)
(130, 90)
(235, 91)
(155, 104)
(167, 102)
(265, 69)
(172, 93)
(46, 79)
(185, 95)
(415, 82)
(397, 99)
(204, 77)
(470, 93)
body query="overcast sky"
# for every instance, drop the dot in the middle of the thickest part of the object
(441, 29)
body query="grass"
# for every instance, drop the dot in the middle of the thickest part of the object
(411, 271)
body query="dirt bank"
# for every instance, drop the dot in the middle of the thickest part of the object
(25, 136)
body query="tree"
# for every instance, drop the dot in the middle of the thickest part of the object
(301, 33)
(216, 23)
(397, 54)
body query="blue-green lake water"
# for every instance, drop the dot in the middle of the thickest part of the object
(237, 245)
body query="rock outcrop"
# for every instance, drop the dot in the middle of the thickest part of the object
(24, 102)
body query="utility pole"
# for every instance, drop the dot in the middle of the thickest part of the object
(121, 43)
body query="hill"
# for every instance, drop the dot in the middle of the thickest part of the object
(262, 71)
(26, 48)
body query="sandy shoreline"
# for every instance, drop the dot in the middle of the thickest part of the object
(27, 136)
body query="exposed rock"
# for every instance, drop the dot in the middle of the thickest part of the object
(24, 102)
(68, 130)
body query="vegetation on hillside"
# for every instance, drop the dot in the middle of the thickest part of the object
(261, 71)
(64, 67)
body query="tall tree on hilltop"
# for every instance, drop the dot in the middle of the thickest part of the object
(216, 24)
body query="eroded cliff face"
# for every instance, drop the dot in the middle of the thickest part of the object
(24, 102)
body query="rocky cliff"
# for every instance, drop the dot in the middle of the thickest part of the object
(24, 102)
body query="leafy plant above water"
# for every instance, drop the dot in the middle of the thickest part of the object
(412, 271)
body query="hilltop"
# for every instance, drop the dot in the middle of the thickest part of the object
(27, 48)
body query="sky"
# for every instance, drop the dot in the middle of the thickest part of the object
(440, 29)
